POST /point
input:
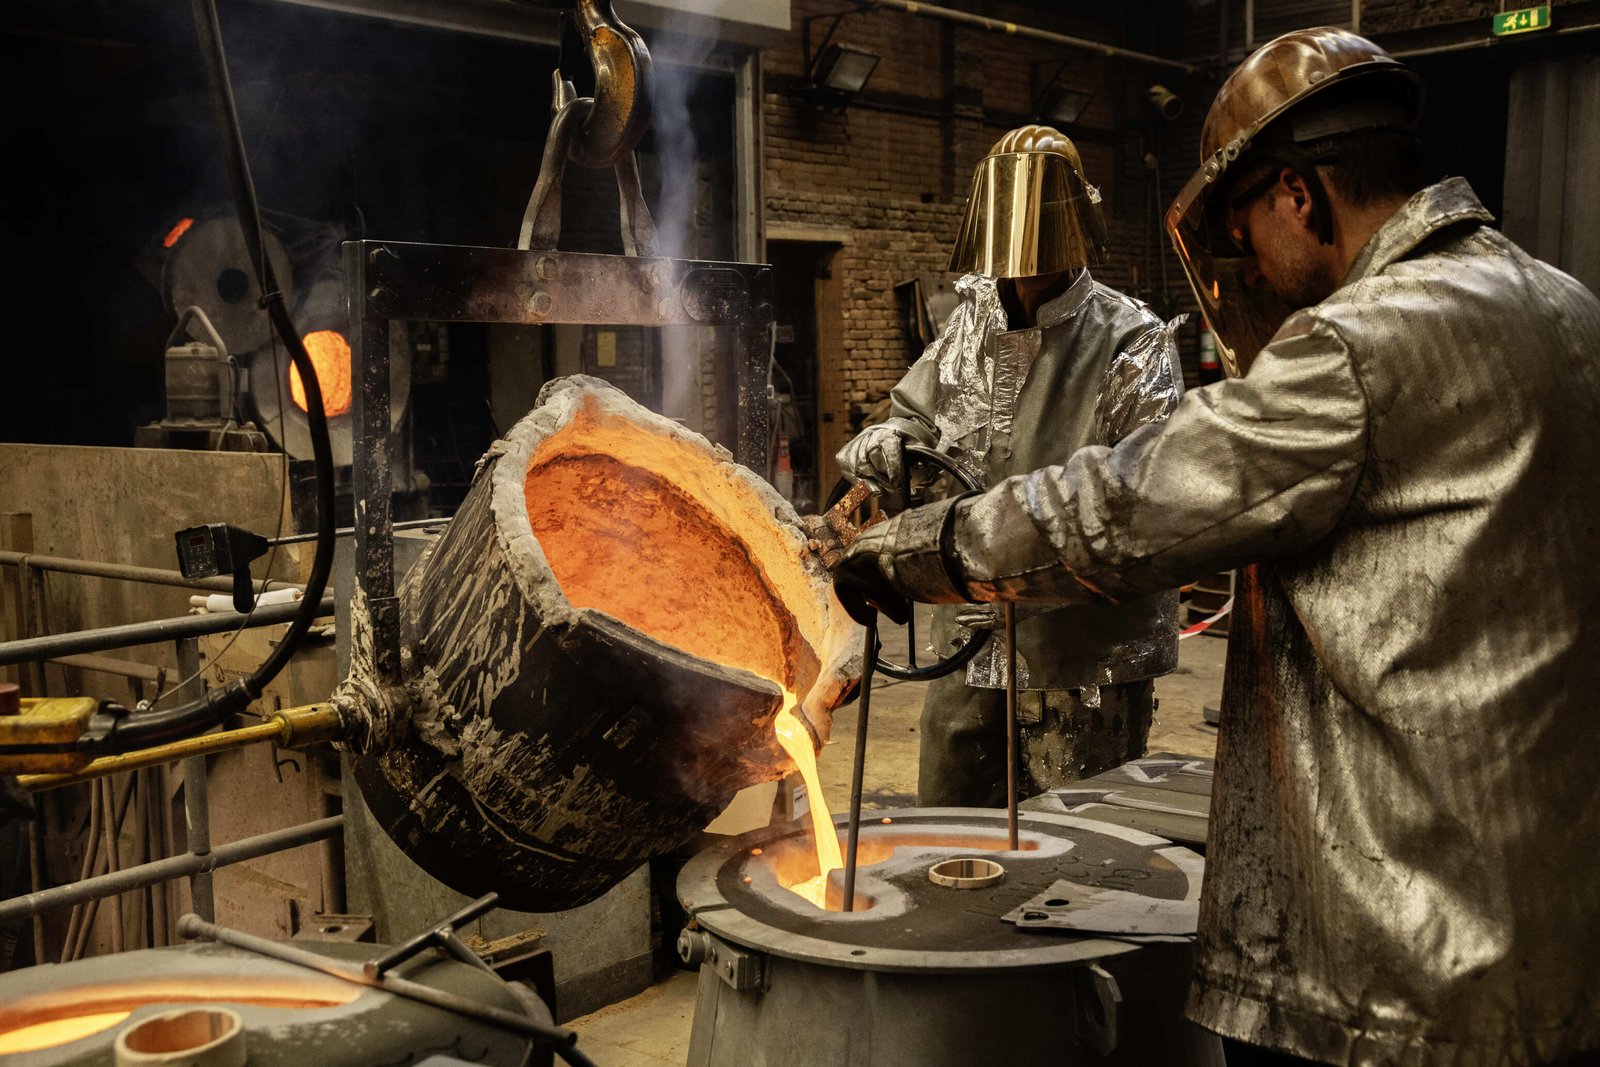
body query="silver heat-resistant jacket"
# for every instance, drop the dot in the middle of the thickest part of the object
(1001, 402)
(1404, 864)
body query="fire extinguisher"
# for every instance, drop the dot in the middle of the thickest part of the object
(1210, 365)
(783, 475)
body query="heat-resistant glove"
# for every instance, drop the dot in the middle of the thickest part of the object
(876, 456)
(990, 616)
(898, 561)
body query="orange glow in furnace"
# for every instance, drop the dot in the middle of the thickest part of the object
(176, 232)
(330, 355)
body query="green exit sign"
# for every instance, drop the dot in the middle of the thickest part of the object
(1525, 21)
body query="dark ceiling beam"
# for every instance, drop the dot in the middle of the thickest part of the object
(1029, 33)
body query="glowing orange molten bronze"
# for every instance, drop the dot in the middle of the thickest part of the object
(57, 1017)
(795, 741)
(330, 355)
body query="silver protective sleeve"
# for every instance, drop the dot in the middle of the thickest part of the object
(1242, 467)
(1144, 385)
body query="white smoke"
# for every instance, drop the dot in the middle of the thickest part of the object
(678, 62)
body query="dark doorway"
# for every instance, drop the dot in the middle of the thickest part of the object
(1463, 129)
(803, 311)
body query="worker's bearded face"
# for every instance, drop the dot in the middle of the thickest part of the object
(1290, 259)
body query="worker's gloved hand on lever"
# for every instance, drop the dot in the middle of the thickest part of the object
(899, 561)
(859, 601)
(876, 456)
(823, 540)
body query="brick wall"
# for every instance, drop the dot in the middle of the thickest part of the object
(894, 168)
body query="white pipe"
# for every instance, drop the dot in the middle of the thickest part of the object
(224, 602)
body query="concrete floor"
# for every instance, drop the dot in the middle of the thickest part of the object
(652, 1029)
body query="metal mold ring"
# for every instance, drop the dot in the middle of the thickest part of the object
(968, 872)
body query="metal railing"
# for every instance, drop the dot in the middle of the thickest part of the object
(110, 803)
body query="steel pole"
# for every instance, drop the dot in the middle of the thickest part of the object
(128, 572)
(869, 658)
(192, 926)
(1010, 610)
(148, 633)
(196, 796)
(166, 870)
(1011, 29)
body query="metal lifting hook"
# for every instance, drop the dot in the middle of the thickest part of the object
(620, 109)
(596, 131)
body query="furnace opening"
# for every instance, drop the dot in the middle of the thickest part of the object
(330, 358)
(792, 861)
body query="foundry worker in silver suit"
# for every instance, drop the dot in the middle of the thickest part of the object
(1403, 864)
(1037, 360)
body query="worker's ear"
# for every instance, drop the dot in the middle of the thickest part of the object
(1294, 193)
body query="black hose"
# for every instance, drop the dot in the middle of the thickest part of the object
(142, 731)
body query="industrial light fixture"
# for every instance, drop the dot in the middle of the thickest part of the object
(1063, 105)
(1056, 103)
(839, 73)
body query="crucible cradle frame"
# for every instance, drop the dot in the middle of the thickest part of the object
(392, 281)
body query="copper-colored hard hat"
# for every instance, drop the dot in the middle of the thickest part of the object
(1289, 70)
(1293, 91)
(1031, 210)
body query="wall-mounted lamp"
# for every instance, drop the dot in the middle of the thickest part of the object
(839, 73)
(1054, 102)
(1164, 102)
(1063, 105)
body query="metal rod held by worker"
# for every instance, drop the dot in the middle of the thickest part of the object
(1010, 611)
(869, 658)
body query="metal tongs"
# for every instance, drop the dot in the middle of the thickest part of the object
(839, 519)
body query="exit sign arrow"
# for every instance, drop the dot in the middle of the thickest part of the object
(1525, 20)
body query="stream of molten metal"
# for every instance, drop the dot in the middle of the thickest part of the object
(796, 741)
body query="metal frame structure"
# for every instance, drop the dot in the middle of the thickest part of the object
(200, 859)
(391, 281)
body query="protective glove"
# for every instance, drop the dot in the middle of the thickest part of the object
(822, 540)
(898, 561)
(876, 456)
(991, 617)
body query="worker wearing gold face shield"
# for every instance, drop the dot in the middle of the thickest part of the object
(1037, 360)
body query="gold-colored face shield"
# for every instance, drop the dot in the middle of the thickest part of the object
(1029, 213)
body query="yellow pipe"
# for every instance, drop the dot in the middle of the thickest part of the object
(290, 728)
